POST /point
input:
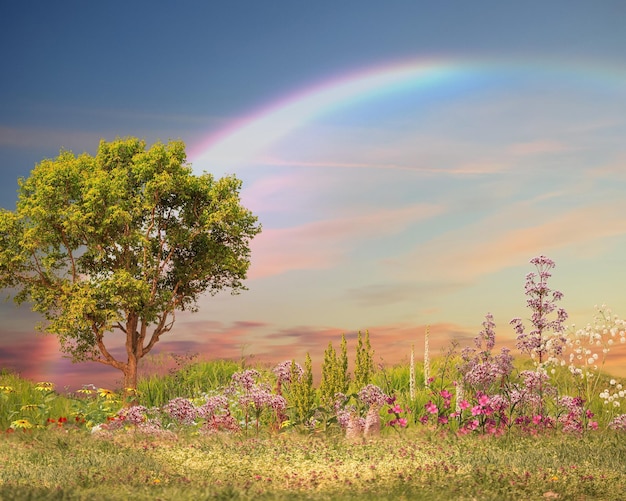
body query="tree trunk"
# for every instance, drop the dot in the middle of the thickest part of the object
(130, 374)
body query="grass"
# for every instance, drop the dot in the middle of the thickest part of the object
(46, 465)
(64, 461)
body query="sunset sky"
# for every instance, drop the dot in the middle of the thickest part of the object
(406, 159)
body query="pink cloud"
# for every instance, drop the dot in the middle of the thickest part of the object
(507, 239)
(322, 244)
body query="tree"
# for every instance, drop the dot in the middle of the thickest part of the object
(119, 242)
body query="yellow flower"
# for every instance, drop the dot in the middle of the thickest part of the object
(21, 423)
(86, 391)
(104, 393)
(7, 389)
(29, 407)
(44, 386)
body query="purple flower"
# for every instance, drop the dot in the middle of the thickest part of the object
(245, 379)
(283, 371)
(181, 410)
(212, 406)
(372, 395)
(135, 414)
(542, 302)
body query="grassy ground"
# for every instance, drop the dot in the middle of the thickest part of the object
(57, 465)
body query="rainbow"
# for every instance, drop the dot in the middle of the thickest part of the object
(242, 142)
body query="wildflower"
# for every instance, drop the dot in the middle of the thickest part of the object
(412, 374)
(106, 394)
(372, 395)
(6, 389)
(246, 379)
(395, 410)
(21, 423)
(29, 407)
(431, 408)
(134, 415)
(618, 423)
(44, 386)
(212, 405)
(283, 371)
(427, 357)
(181, 410)
(542, 302)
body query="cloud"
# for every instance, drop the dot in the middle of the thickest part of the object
(48, 138)
(463, 169)
(509, 238)
(322, 244)
(538, 147)
(384, 294)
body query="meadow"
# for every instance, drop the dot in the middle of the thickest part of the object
(471, 423)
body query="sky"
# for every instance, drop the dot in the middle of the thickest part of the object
(406, 159)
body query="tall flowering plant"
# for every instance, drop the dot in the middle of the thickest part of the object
(480, 368)
(545, 342)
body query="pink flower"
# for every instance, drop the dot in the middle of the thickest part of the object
(593, 425)
(431, 408)
(464, 404)
(402, 422)
(395, 410)
(446, 394)
(483, 400)
(537, 419)
(477, 410)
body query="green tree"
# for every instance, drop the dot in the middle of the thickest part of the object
(119, 242)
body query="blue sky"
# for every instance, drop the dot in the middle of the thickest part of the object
(406, 159)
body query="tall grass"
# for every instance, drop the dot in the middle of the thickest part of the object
(192, 380)
(24, 399)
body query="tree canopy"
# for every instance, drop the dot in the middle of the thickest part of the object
(119, 242)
